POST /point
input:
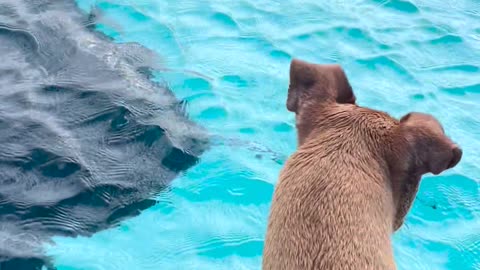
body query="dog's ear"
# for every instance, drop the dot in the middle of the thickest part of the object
(317, 83)
(434, 152)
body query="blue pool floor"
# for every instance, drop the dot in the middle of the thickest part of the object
(230, 62)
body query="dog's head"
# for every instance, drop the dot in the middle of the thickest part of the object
(315, 88)
(420, 146)
(431, 151)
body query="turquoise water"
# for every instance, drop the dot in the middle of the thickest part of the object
(230, 62)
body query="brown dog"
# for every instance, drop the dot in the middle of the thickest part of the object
(351, 181)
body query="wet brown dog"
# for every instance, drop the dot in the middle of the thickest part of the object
(351, 181)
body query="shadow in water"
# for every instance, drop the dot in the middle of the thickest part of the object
(86, 138)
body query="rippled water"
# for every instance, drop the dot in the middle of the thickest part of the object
(229, 63)
(86, 138)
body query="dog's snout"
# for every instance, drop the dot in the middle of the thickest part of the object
(456, 156)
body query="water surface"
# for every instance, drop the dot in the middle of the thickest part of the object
(86, 138)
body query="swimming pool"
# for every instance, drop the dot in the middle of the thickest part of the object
(230, 61)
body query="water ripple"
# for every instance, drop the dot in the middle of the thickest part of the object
(87, 139)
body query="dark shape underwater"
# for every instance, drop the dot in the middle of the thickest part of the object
(86, 138)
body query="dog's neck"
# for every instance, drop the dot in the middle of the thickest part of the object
(375, 126)
(373, 133)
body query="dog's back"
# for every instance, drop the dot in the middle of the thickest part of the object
(328, 212)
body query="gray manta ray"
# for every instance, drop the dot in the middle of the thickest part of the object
(86, 138)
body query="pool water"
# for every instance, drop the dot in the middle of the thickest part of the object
(230, 61)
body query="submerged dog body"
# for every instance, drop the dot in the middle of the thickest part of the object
(351, 181)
